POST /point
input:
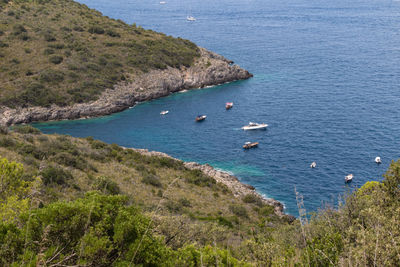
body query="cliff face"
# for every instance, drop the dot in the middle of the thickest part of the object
(209, 69)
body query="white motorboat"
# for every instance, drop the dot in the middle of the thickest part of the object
(164, 112)
(348, 178)
(201, 118)
(313, 165)
(378, 160)
(190, 18)
(255, 126)
(163, 3)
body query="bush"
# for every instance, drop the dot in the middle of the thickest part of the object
(18, 29)
(55, 175)
(239, 211)
(152, 180)
(185, 202)
(253, 198)
(56, 59)
(51, 76)
(173, 206)
(7, 142)
(3, 130)
(197, 177)
(96, 30)
(106, 185)
(67, 159)
(26, 129)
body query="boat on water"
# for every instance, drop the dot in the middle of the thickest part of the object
(313, 165)
(164, 112)
(378, 160)
(255, 126)
(228, 105)
(348, 178)
(163, 3)
(249, 145)
(201, 117)
(190, 18)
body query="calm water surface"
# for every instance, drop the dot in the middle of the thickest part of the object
(326, 80)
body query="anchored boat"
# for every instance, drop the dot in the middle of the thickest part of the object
(201, 118)
(249, 145)
(164, 112)
(255, 126)
(313, 165)
(378, 160)
(229, 105)
(348, 178)
(190, 18)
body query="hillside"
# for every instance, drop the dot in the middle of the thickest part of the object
(81, 201)
(70, 61)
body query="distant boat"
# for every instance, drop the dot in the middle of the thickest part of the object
(229, 105)
(249, 145)
(348, 178)
(163, 3)
(378, 160)
(255, 126)
(190, 18)
(201, 117)
(164, 112)
(313, 165)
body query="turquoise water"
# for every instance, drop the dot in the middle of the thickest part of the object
(326, 80)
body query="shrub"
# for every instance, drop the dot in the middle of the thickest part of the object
(239, 211)
(198, 178)
(152, 180)
(51, 76)
(18, 29)
(252, 198)
(7, 142)
(48, 51)
(96, 30)
(173, 206)
(3, 130)
(55, 175)
(26, 129)
(106, 185)
(56, 59)
(67, 159)
(185, 202)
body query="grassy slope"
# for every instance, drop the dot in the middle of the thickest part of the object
(164, 188)
(62, 52)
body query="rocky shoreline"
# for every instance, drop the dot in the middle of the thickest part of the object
(238, 188)
(209, 69)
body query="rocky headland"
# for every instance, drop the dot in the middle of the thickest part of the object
(209, 69)
(238, 188)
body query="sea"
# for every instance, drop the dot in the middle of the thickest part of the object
(326, 81)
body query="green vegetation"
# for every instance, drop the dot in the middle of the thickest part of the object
(85, 202)
(61, 52)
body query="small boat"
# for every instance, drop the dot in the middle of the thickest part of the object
(378, 160)
(313, 165)
(163, 3)
(164, 112)
(201, 117)
(190, 18)
(229, 105)
(348, 178)
(248, 145)
(255, 126)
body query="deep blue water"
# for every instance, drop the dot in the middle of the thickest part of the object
(326, 80)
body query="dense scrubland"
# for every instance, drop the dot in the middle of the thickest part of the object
(68, 201)
(61, 52)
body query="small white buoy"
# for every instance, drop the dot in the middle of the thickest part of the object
(378, 160)
(313, 165)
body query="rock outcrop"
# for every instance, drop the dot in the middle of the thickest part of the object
(208, 69)
(238, 188)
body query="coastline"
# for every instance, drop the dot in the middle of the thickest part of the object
(209, 69)
(238, 188)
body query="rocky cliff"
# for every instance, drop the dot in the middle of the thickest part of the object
(209, 69)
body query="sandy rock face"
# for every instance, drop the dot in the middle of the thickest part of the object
(209, 69)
